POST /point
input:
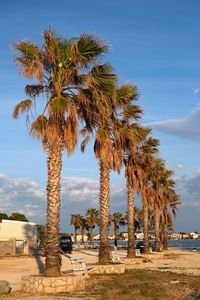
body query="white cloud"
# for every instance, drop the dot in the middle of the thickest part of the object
(185, 127)
(78, 194)
(180, 166)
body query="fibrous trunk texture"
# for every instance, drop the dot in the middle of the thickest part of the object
(165, 239)
(131, 229)
(157, 228)
(75, 235)
(104, 254)
(91, 233)
(53, 259)
(146, 222)
(116, 234)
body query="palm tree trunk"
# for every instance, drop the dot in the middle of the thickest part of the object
(82, 234)
(104, 253)
(91, 233)
(131, 228)
(165, 238)
(54, 162)
(75, 235)
(157, 228)
(146, 222)
(116, 234)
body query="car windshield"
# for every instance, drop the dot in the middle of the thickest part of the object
(65, 241)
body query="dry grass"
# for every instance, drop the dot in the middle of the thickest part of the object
(144, 284)
(134, 285)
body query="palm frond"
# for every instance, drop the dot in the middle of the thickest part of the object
(87, 49)
(29, 59)
(84, 143)
(23, 106)
(103, 77)
(38, 127)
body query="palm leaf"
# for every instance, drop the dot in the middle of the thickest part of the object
(87, 49)
(58, 104)
(103, 76)
(23, 106)
(38, 127)
(84, 143)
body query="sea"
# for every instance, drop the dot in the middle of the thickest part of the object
(184, 244)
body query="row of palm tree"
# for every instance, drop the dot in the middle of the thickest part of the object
(91, 219)
(77, 91)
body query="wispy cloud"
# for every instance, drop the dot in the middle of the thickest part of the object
(79, 193)
(185, 127)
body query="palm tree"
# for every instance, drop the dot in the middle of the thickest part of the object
(135, 134)
(108, 150)
(64, 74)
(92, 218)
(143, 170)
(118, 220)
(82, 228)
(158, 175)
(171, 201)
(76, 221)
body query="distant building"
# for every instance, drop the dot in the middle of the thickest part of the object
(140, 236)
(22, 234)
(194, 235)
(176, 236)
(79, 238)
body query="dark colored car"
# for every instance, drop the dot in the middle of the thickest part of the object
(140, 245)
(66, 244)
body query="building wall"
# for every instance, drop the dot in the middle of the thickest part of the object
(21, 231)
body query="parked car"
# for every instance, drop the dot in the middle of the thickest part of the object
(140, 245)
(66, 244)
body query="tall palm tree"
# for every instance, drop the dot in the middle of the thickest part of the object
(76, 221)
(92, 218)
(82, 228)
(158, 175)
(64, 74)
(143, 170)
(118, 220)
(108, 150)
(171, 201)
(134, 137)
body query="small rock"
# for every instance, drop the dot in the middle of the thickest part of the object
(175, 281)
(4, 287)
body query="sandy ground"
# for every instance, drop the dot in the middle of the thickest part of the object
(178, 261)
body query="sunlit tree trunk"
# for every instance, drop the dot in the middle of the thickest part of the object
(53, 259)
(104, 254)
(146, 222)
(165, 238)
(91, 233)
(131, 228)
(82, 234)
(157, 228)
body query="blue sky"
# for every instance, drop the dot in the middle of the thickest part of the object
(154, 44)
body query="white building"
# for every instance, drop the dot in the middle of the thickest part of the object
(24, 233)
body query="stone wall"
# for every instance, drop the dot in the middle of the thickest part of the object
(108, 269)
(36, 285)
(8, 247)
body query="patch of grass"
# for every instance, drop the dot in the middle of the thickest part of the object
(143, 284)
